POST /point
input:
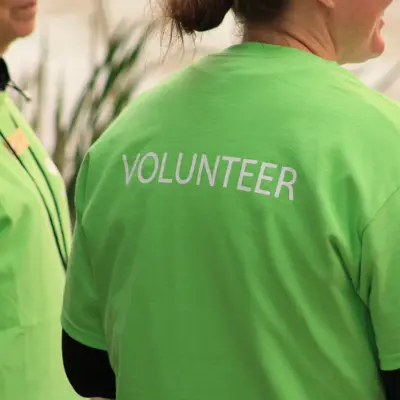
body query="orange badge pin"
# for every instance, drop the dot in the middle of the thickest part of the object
(18, 142)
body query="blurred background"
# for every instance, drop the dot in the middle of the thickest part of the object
(88, 58)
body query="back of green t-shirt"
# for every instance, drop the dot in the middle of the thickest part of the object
(237, 234)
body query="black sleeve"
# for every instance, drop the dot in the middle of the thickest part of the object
(88, 370)
(391, 384)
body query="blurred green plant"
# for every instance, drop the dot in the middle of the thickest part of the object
(111, 84)
(109, 88)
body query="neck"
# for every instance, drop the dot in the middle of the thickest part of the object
(290, 32)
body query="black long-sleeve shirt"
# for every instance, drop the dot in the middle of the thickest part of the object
(88, 370)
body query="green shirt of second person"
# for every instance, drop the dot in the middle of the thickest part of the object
(34, 242)
(31, 267)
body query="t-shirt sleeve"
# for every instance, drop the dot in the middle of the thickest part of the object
(81, 316)
(380, 267)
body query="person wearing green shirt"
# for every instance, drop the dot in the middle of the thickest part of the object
(237, 230)
(34, 243)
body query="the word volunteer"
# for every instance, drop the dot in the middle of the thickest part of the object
(264, 178)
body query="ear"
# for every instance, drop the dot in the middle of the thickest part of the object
(328, 3)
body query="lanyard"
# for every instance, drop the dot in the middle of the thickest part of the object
(64, 260)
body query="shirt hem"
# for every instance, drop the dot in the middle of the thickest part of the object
(81, 336)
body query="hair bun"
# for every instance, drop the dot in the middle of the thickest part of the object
(198, 15)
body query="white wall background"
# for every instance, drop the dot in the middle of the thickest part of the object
(68, 25)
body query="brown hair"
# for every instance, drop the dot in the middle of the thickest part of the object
(192, 16)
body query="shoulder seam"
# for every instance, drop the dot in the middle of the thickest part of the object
(379, 210)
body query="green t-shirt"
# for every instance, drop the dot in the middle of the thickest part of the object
(237, 235)
(32, 276)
